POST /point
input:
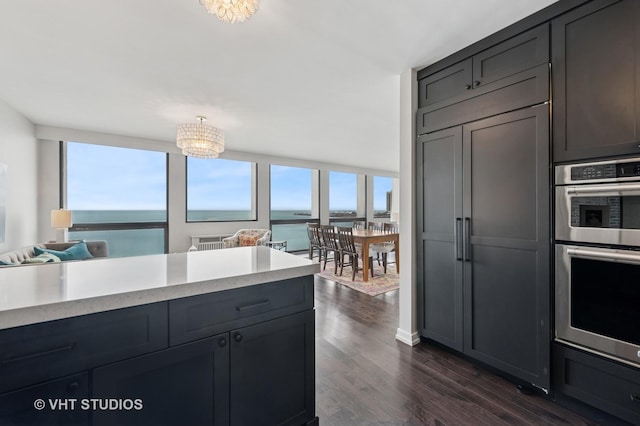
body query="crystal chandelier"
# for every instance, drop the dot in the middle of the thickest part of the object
(200, 140)
(231, 10)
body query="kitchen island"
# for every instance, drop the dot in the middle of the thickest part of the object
(215, 337)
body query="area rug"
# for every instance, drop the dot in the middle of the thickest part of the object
(380, 283)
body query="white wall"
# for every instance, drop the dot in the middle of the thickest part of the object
(407, 323)
(18, 150)
(179, 230)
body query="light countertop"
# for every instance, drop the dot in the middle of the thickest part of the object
(36, 293)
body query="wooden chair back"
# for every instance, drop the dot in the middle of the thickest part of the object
(375, 226)
(313, 231)
(345, 238)
(391, 227)
(329, 237)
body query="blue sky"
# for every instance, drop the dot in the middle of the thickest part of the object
(218, 184)
(290, 188)
(112, 178)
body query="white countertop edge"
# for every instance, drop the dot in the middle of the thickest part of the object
(67, 309)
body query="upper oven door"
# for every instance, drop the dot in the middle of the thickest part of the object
(607, 213)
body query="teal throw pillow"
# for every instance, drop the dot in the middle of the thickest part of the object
(75, 252)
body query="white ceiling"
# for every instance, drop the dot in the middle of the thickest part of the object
(304, 79)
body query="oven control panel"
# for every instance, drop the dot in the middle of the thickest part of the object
(600, 171)
(604, 171)
(627, 169)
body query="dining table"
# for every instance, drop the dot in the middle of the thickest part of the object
(369, 236)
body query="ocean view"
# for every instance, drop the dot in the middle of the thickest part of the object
(135, 242)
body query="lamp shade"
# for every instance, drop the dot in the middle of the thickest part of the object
(61, 219)
(200, 140)
(231, 10)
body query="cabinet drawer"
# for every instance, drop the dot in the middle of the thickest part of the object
(62, 403)
(44, 351)
(606, 385)
(201, 316)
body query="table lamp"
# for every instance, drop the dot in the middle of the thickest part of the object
(61, 221)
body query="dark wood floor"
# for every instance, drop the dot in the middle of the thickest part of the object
(365, 377)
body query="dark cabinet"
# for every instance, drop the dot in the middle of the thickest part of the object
(58, 403)
(484, 248)
(445, 84)
(272, 376)
(596, 81)
(186, 384)
(503, 60)
(243, 356)
(260, 374)
(44, 351)
(209, 314)
(440, 214)
(602, 383)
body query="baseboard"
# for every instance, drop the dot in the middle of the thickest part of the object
(407, 338)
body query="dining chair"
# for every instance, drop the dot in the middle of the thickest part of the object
(349, 248)
(359, 224)
(375, 226)
(330, 244)
(315, 240)
(386, 247)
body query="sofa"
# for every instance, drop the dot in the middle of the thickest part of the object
(247, 237)
(23, 255)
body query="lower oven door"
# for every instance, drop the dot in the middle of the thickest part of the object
(597, 304)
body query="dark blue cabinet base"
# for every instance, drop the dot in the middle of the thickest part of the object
(213, 367)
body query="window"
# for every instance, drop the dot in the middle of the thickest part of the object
(294, 202)
(220, 190)
(382, 195)
(346, 198)
(118, 195)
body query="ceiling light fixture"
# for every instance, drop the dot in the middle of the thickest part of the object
(231, 10)
(200, 140)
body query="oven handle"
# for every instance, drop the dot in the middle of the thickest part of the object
(603, 189)
(595, 254)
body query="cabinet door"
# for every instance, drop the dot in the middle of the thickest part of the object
(506, 273)
(445, 84)
(61, 400)
(272, 372)
(440, 252)
(187, 384)
(595, 80)
(512, 56)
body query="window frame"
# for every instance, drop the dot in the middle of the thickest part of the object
(310, 219)
(112, 226)
(373, 195)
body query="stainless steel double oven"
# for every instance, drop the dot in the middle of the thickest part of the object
(597, 273)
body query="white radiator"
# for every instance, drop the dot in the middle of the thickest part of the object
(208, 242)
(210, 245)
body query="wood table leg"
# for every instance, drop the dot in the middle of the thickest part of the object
(365, 261)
